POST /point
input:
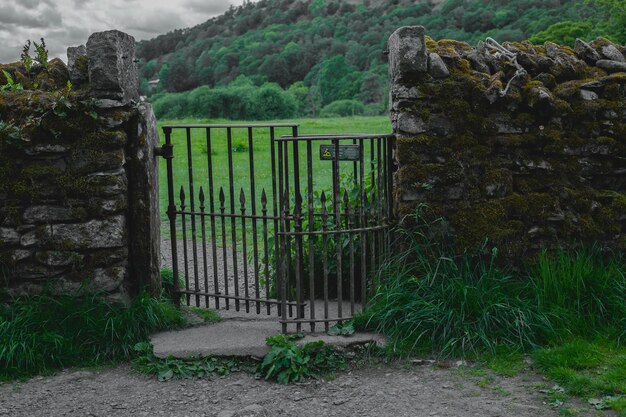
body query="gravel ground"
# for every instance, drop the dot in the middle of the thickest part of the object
(369, 391)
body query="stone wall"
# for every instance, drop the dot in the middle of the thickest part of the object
(78, 176)
(522, 144)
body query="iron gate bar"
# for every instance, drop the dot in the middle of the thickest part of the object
(212, 208)
(311, 219)
(168, 154)
(192, 208)
(276, 215)
(230, 125)
(286, 138)
(335, 232)
(233, 230)
(338, 247)
(227, 215)
(254, 222)
(232, 297)
(361, 218)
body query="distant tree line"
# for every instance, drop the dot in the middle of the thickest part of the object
(309, 54)
(243, 100)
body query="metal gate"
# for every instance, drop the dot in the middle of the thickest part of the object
(286, 225)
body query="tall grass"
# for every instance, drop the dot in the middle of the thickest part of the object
(464, 305)
(427, 299)
(584, 287)
(42, 333)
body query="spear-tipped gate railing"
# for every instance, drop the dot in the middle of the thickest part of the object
(305, 246)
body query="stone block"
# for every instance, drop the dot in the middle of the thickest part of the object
(86, 160)
(77, 64)
(436, 67)
(107, 279)
(112, 70)
(405, 93)
(109, 184)
(9, 236)
(408, 55)
(611, 66)
(58, 258)
(95, 234)
(411, 124)
(586, 52)
(611, 52)
(47, 214)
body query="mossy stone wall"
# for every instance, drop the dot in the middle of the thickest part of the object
(538, 164)
(78, 184)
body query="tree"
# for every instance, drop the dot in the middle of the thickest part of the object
(564, 33)
(614, 25)
(372, 89)
(334, 80)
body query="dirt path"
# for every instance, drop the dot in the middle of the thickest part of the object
(369, 391)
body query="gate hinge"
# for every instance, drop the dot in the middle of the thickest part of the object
(166, 151)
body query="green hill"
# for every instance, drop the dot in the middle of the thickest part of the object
(307, 54)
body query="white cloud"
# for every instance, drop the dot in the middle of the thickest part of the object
(66, 23)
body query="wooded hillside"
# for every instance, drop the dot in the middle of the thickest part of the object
(317, 52)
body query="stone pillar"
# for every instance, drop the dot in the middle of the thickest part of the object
(113, 80)
(408, 61)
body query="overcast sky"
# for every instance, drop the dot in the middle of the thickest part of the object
(64, 23)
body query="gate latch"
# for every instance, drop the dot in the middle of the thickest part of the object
(166, 151)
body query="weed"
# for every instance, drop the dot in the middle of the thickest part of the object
(42, 333)
(209, 316)
(27, 60)
(10, 85)
(11, 133)
(569, 411)
(167, 282)
(556, 396)
(42, 53)
(619, 405)
(342, 329)
(501, 391)
(240, 146)
(172, 368)
(287, 362)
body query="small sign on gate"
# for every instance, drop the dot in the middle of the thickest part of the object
(346, 153)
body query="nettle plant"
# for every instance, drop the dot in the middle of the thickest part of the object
(326, 247)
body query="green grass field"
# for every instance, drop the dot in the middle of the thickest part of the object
(241, 165)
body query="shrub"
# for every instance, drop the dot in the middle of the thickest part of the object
(271, 102)
(170, 105)
(343, 108)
